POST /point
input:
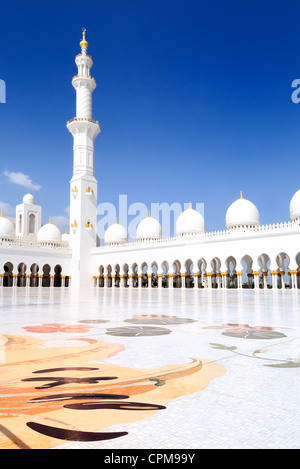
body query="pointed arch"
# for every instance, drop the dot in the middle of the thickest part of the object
(8, 274)
(34, 275)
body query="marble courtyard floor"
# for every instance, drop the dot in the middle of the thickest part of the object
(151, 369)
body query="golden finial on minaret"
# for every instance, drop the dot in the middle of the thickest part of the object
(1, 214)
(49, 221)
(242, 195)
(190, 204)
(117, 221)
(149, 214)
(83, 42)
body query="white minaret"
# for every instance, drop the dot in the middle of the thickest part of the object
(83, 186)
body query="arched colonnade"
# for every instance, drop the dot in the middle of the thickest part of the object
(278, 272)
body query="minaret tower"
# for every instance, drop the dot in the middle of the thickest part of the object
(83, 185)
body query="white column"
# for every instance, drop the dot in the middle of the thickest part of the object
(122, 281)
(15, 280)
(196, 280)
(130, 280)
(274, 279)
(51, 281)
(183, 280)
(140, 277)
(209, 280)
(293, 274)
(105, 277)
(282, 280)
(265, 280)
(239, 279)
(256, 279)
(159, 280)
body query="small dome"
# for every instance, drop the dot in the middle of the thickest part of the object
(28, 199)
(242, 213)
(295, 206)
(190, 222)
(149, 228)
(115, 234)
(7, 229)
(49, 234)
(66, 238)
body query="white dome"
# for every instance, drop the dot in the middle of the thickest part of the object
(242, 213)
(49, 234)
(28, 199)
(149, 228)
(295, 206)
(66, 238)
(115, 234)
(190, 222)
(7, 229)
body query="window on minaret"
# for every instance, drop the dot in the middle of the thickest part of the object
(20, 223)
(31, 224)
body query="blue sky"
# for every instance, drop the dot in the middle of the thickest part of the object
(193, 99)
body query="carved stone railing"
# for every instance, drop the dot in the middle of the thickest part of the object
(275, 228)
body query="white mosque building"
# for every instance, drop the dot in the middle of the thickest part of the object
(245, 255)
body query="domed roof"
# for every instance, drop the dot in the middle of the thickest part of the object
(65, 237)
(190, 222)
(295, 206)
(49, 234)
(149, 228)
(28, 199)
(115, 234)
(7, 229)
(242, 213)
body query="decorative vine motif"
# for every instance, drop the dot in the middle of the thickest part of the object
(244, 331)
(288, 363)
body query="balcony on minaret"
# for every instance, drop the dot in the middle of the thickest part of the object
(88, 225)
(74, 191)
(74, 225)
(89, 192)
